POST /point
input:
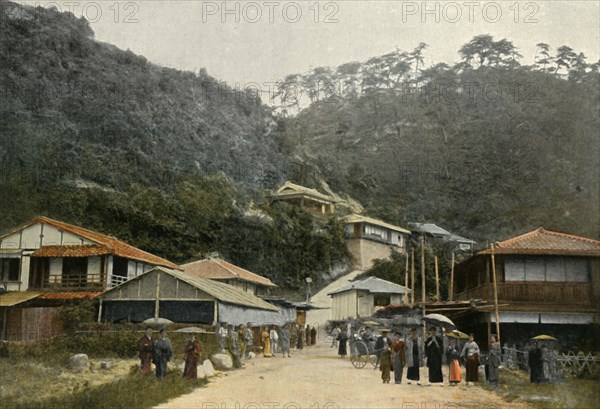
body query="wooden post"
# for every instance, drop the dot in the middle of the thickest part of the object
(406, 281)
(100, 312)
(412, 279)
(495, 295)
(156, 303)
(423, 297)
(437, 281)
(423, 271)
(451, 288)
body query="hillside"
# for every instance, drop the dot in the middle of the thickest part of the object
(488, 148)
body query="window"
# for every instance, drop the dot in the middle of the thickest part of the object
(552, 269)
(9, 269)
(577, 269)
(120, 266)
(381, 300)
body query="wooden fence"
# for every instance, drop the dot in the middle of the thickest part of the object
(569, 364)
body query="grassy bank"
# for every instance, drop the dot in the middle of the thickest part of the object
(572, 393)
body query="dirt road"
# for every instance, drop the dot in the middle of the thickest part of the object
(316, 378)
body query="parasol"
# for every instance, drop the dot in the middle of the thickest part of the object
(157, 322)
(439, 319)
(457, 334)
(544, 338)
(371, 323)
(191, 330)
(403, 321)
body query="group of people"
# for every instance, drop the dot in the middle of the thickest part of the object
(393, 354)
(160, 353)
(542, 364)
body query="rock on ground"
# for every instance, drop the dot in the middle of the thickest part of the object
(79, 363)
(207, 368)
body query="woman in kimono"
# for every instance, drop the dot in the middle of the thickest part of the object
(471, 352)
(191, 356)
(414, 357)
(434, 350)
(385, 364)
(342, 339)
(266, 340)
(398, 357)
(453, 355)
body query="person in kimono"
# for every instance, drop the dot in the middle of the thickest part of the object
(284, 339)
(146, 352)
(398, 357)
(222, 336)
(162, 354)
(381, 344)
(191, 356)
(493, 363)
(414, 357)
(434, 350)
(385, 363)
(242, 340)
(301, 335)
(453, 355)
(233, 347)
(336, 331)
(274, 338)
(266, 341)
(313, 335)
(342, 339)
(536, 365)
(249, 338)
(471, 353)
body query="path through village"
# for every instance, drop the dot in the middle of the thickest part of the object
(316, 378)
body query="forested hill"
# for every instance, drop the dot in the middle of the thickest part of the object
(489, 147)
(75, 109)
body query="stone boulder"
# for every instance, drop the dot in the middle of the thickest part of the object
(222, 362)
(207, 368)
(79, 363)
(251, 355)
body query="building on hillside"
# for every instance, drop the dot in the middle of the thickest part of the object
(307, 199)
(363, 297)
(548, 282)
(46, 263)
(370, 239)
(434, 234)
(182, 298)
(221, 270)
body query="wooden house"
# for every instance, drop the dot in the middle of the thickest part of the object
(434, 234)
(370, 239)
(228, 273)
(363, 297)
(181, 298)
(310, 200)
(547, 282)
(47, 263)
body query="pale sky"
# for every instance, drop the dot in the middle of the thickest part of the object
(271, 39)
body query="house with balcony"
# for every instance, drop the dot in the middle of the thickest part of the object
(46, 263)
(547, 282)
(228, 273)
(370, 239)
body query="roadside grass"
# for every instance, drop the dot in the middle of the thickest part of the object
(573, 393)
(133, 391)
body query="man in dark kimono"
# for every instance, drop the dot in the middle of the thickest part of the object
(536, 364)
(313, 335)
(342, 338)
(434, 350)
(162, 354)
(146, 351)
(398, 357)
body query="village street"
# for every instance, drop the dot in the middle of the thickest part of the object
(316, 378)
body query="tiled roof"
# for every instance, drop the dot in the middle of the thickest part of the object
(373, 285)
(542, 241)
(217, 269)
(292, 189)
(430, 228)
(71, 250)
(221, 291)
(70, 296)
(116, 247)
(357, 218)
(11, 298)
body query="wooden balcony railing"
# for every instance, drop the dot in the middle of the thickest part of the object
(76, 282)
(532, 292)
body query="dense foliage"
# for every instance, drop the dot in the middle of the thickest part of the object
(488, 148)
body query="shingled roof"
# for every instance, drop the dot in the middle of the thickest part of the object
(358, 218)
(373, 285)
(545, 242)
(106, 244)
(217, 269)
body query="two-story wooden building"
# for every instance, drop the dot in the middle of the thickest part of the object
(370, 239)
(547, 282)
(45, 263)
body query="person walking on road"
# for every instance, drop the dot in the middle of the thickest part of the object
(414, 357)
(398, 357)
(434, 350)
(471, 353)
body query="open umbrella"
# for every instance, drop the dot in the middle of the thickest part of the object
(371, 323)
(457, 334)
(157, 322)
(404, 321)
(544, 338)
(191, 330)
(439, 319)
